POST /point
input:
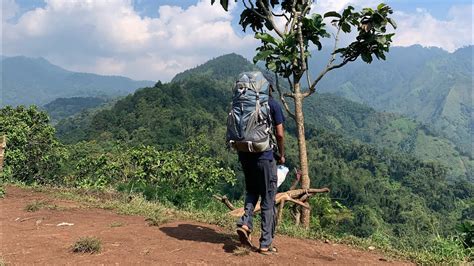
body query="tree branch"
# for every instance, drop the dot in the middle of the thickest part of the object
(282, 98)
(269, 18)
(294, 196)
(329, 66)
(252, 8)
(300, 42)
(224, 200)
(294, 15)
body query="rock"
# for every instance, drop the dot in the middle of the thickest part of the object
(64, 224)
(371, 248)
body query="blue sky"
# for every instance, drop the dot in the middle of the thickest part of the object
(155, 39)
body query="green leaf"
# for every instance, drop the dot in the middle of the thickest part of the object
(262, 55)
(225, 4)
(366, 57)
(392, 22)
(346, 27)
(347, 11)
(332, 14)
(271, 66)
(266, 38)
(380, 6)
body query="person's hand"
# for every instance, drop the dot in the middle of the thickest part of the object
(281, 160)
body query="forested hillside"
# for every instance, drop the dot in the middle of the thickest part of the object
(65, 107)
(427, 84)
(324, 111)
(387, 130)
(28, 81)
(384, 193)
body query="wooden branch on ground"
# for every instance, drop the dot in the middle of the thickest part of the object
(224, 200)
(294, 196)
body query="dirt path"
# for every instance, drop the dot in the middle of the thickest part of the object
(35, 238)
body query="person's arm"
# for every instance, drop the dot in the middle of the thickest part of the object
(280, 138)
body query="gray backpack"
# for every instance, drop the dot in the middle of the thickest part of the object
(249, 125)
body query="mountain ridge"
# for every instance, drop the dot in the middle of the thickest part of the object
(28, 81)
(429, 85)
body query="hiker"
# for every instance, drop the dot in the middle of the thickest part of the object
(257, 157)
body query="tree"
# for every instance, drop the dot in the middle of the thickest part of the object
(33, 154)
(288, 30)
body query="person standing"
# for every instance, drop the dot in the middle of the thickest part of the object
(260, 170)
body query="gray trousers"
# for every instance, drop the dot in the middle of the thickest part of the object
(260, 181)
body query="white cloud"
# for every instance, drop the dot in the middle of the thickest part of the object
(422, 28)
(338, 5)
(419, 27)
(9, 9)
(109, 37)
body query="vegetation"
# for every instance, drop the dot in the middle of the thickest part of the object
(165, 155)
(33, 153)
(66, 107)
(116, 224)
(429, 85)
(2, 191)
(35, 206)
(387, 130)
(88, 244)
(286, 49)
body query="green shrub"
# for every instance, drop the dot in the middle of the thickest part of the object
(35, 206)
(87, 245)
(466, 233)
(181, 177)
(33, 154)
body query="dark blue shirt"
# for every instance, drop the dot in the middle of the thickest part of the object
(277, 118)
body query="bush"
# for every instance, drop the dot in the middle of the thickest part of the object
(180, 176)
(87, 245)
(33, 154)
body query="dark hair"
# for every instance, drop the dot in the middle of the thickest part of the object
(269, 76)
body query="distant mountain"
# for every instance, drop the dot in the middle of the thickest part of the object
(427, 84)
(28, 81)
(386, 130)
(208, 86)
(222, 68)
(359, 121)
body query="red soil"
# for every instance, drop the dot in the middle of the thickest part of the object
(35, 238)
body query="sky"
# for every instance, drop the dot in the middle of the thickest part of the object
(156, 39)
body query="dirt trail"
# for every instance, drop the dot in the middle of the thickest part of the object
(35, 238)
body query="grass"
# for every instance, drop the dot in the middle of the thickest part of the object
(241, 251)
(116, 224)
(88, 244)
(156, 220)
(2, 262)
(2, 195)
(35, 206)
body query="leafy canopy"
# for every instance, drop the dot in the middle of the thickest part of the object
(285, 49)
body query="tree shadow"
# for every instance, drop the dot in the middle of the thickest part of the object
(199, 233)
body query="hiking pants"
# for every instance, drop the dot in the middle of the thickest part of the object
(260, 181)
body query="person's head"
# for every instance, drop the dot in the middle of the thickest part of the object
(271, 82)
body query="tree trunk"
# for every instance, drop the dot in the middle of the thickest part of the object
(305, 181)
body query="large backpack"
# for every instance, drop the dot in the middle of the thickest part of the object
(249, 124)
